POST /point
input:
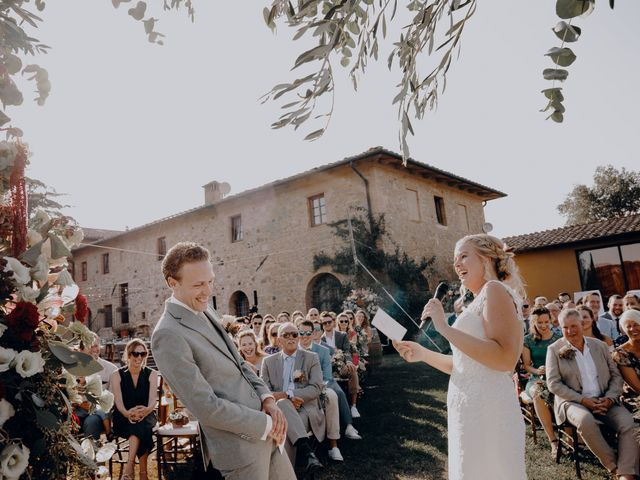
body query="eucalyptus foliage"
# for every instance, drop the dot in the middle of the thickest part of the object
(351, 31)
(18, 21)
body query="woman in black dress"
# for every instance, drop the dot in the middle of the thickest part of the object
(135, 393)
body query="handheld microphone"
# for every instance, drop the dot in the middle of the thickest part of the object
(440, 293)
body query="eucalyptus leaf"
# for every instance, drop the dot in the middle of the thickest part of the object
(574, 8)
(30, 257)
(63, 353)
(58, 248)
(561, 56)
(85, 366)
(555, 74)
(567, 33)
(553, 93)
(314, 135)
(557, 117)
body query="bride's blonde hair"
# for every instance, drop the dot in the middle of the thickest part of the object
(500, 259)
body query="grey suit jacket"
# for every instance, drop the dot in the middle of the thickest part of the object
(205, 371)
(308, 389)
(563, 375)
(342, 342)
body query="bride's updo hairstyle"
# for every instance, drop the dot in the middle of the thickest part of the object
(499, 262)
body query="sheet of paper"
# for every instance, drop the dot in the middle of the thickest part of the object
(387, 325)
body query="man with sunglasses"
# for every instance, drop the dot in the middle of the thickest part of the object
(240, 424)
(256, 323)
(335, 339)
(295, 377)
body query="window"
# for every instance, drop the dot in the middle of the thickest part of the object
(464, 216)
(317, 210)
(124, 303)
(105, 263)
(413, 207)
(236, 228)
(72, 269)
(441, 215)
(612, 270)
(84, 271)
(108, 316)
(162, 247)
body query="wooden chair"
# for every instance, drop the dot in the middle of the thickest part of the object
(175, 446)
(526, 406)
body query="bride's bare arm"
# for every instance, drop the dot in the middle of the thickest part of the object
(501, 350)
(414, 352)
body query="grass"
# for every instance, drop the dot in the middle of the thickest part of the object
(404, 425)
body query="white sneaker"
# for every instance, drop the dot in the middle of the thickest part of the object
(354, 412)
(335, 455)
(351, 433)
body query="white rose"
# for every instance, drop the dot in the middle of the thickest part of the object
(28, 363)
(81, 331)
(20, 273)
(6, 357)
(14, 460)
(6, 411)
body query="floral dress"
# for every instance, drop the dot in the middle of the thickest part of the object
(630, 399)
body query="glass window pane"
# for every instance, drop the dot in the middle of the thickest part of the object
(631, 262)
(600, 269)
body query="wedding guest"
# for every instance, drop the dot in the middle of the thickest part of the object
(256, 324)
(295, 315)
(295, 378)
(327, 372)
(606, 326)
(82, 393)
(614, 310)
(135, 391)
(107, 367)
(331, 408)
(627, 357)
(364, 331)
(554, 311)
(313, 314)
(345, 325)
(534, 355)
(342, 351)
(263, 337)
(526, 312)
(590, 326)
(586, 383)
(540, 301)
(282, 317)
(273, 347)
(630, 301)
(564, 297)
(249, 350)
(568, 304)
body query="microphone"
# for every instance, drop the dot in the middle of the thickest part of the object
(440, 293)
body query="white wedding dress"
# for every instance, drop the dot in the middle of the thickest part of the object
(486, 428)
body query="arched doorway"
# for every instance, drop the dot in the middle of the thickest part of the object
(324, 292)
(239, 304)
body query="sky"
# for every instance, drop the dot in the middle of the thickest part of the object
(131, 130)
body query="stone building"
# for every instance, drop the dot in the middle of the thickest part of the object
(263, 240)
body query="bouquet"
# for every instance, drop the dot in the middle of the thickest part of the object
(362, 298)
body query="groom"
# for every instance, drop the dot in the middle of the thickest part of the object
(240, 424)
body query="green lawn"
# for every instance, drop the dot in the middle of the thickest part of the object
(404, 428)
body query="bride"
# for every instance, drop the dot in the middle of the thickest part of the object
(486, 431)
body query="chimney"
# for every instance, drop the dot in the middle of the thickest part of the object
(215, 191)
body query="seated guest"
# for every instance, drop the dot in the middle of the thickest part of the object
(327, 374)
(273, 339)
(135, 389)
(614, 306)
(295, 378)
(590, 327)
(313, 314)
(540, 301)
(295, 315)
(630, 301)
(341, 351)
(91, 404)
(526, 311)
(107, 367)
(263, 336)
(587, 384)
(569, 304)
(627, 356)
(331, 409)
(249, 350)
(564, 297)
(256, 324)
(282, 317)
(365, 332)
(345, 326)
(605, 326)
(534, 355)
(554, 311)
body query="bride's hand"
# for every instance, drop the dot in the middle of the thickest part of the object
(409, 351)
(434, 309)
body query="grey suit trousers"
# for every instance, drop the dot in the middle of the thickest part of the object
(621, 421)
(270, 465)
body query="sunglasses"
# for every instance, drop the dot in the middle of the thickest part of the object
(317, 327)
(274, 334)
(526, 305)
(290, 335)
(138, 354)
(327, 322)
(257, 324)
(305, 334)
(344, 321)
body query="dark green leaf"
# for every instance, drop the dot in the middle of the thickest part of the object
(555, 74)
(567, 33)
(314, 135)
(561, 56)
(553, 93)
(573, 8)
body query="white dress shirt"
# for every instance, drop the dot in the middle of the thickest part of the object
(204, 318)
(331, 340)
(588, 372)
(288, 366)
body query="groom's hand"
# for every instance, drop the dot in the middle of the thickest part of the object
(279, 427)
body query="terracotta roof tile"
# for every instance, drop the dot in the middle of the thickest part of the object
(575, 233)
